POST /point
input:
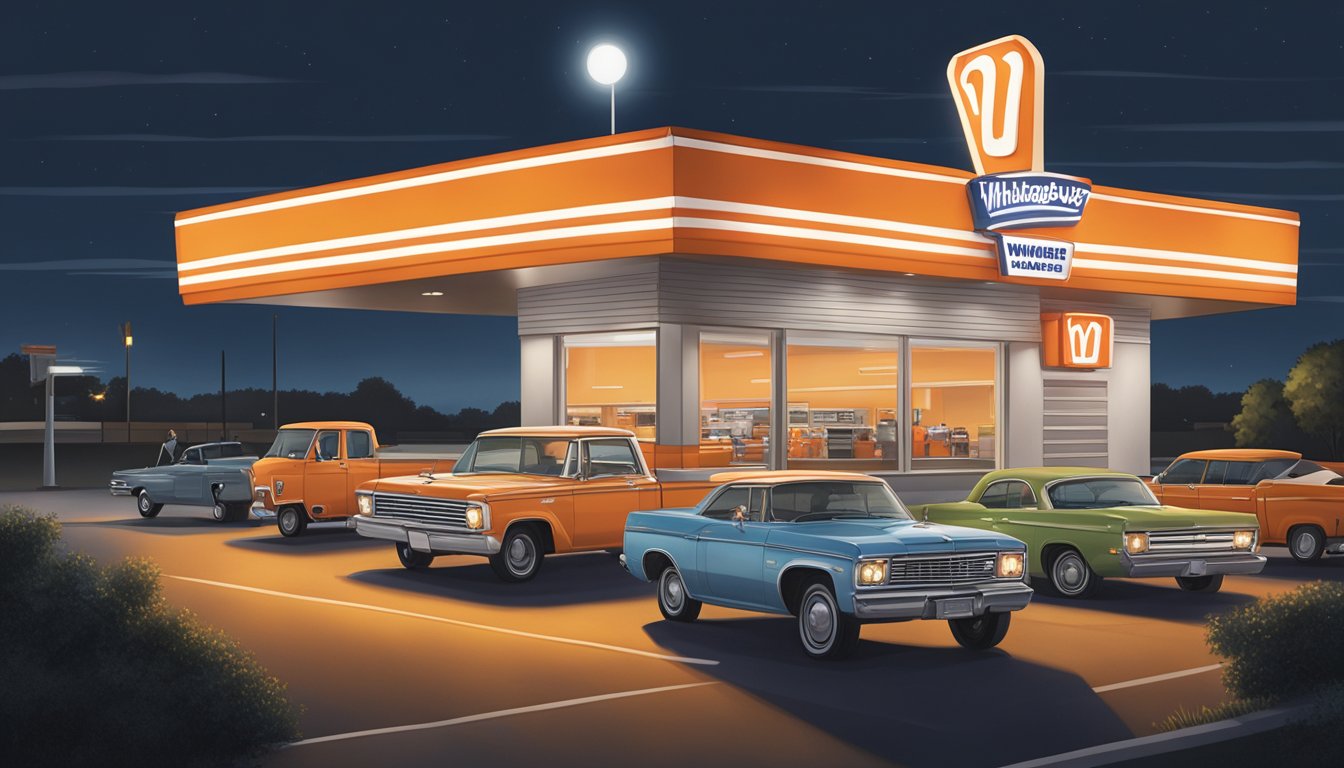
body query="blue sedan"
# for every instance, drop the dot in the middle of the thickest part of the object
(835, 549)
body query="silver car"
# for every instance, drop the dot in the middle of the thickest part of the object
(215, 475)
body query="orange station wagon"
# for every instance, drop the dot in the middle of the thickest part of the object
(1299, 503)
(519, 494)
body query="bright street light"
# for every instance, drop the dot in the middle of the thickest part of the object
(606, 65)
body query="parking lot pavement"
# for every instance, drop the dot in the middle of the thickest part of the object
(578, 668)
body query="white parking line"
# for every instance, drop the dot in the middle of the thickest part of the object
(495, 714)
(1156, 678)
(454, 622)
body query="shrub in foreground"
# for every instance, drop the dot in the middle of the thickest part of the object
(1283, 646)
(97, 669)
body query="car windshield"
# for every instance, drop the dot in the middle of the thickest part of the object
(515, 455)
(1101, 493)
(291, 444)
(802, 502)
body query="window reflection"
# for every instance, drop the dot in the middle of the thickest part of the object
(844, 397)
(611, 380)
(735, 398)
(953, 405)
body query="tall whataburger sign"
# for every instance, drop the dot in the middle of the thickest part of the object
(999, 89)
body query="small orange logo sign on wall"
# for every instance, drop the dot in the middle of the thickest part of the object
(999, 88)
(1077, 340)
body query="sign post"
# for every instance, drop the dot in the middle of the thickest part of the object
(42, 367)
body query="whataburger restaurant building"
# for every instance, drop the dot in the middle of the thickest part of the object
(744, 302)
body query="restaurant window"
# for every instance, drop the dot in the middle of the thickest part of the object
(735, 398)
(953, 405)
(844, 401)
(611, 380)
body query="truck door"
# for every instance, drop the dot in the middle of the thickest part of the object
(1180, 483)
(1227, 487)
(325, 478)
(361, 464)
(612, 490)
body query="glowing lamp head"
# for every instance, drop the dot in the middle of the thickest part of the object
(1243, 539)
(606, 64)
(872, 572)
(365, 503)
(475, 518)
(1011, 565)
(1136, 543)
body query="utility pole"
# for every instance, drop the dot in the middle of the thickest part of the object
(223, 404)
(275, 373)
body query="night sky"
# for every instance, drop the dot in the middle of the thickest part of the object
(115, 116)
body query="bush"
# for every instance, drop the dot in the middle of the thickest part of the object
(97, 669)
(1283, 646)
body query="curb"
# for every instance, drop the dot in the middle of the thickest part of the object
(1171, 741)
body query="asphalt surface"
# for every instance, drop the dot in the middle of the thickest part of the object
(578, 668)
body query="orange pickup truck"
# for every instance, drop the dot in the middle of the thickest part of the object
(519, 494)
(312, 470)
(1300, 503)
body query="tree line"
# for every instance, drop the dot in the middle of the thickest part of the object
(374, 400)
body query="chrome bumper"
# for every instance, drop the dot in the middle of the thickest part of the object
(1156, 566)
(119, 488)
(900, 604)
(424, 538)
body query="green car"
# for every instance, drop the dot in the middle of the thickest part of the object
(1083, 524)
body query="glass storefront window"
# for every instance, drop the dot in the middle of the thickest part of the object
(844, 401)
(953, 405)
(611, 380)
(735, 398)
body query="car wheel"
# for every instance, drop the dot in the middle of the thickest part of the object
(413, 560)
(519, 558)
(673, 600)
(292, 522)
(1306, 543)
(1071, 576)
(826, 631)
(980, 632)
(1210, 583)
(146, 505)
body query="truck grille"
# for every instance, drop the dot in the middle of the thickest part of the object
(420, 509)
(1176, 542)
(942, 570)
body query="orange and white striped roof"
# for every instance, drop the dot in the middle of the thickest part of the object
(673, 190)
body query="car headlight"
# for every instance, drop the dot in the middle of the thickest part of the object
(1243, 539)
(475, 518)
(1136, 543)
(365, 503)
(1011, 565)
(872, 573)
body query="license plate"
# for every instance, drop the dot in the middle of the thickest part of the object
(954, 608)
(418, 540)
(1197, 568)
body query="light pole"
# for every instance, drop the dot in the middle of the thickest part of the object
(127, 339)
(606, 65)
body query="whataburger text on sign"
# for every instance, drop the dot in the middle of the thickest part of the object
(1034, 256)
(999, 88)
